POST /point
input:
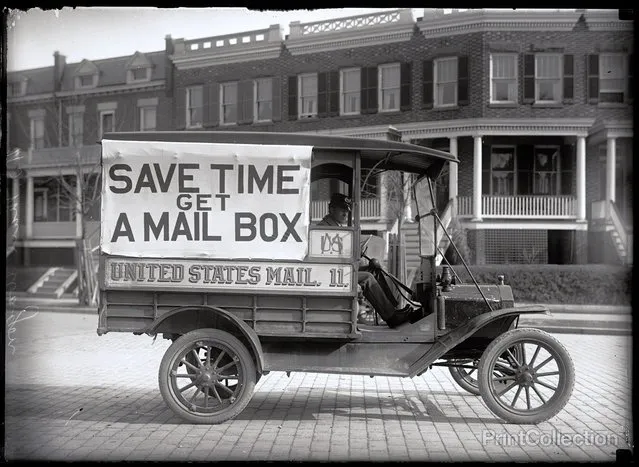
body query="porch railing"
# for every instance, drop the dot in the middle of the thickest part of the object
(61, 156)
(525, 206)
(370, 208)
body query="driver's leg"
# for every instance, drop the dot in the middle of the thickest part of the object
(375, 295)
(389, 289)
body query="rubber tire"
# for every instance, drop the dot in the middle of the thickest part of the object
(499, 346)
(455, 372)
(245, 361)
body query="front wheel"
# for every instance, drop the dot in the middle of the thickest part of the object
(207, 376)
(526, 376)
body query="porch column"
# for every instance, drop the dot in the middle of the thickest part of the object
(581, 178)
(611, 155)
(477, 179)
(383, 193)
(452, 176)
(29, 208)
(15, 203)
(78, 207)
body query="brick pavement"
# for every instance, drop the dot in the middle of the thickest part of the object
(58, 370)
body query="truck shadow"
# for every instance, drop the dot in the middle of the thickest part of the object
(114, 405)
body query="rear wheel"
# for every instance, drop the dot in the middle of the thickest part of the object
(465, 374)
(207, 376)
(526, 376)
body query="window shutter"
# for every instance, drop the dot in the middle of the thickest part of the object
(213, 105)
(569, 80)
(205, 104)
(322, 95)
(405, 86)
(180, 109)
(525, 154)
(529, 78)
(363, 90)
(292, 97)
(567, 158)
(427, 80)
(462, 81)
(369, 91)
(631, 64)
(593, 78)
(276, 105)
(245, 100)
(137, 121)
(333, 94)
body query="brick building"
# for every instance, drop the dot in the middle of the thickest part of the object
(56, 117)
(536, 105)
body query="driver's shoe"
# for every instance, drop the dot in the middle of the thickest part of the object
(400, 317)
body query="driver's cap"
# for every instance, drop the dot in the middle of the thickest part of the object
(340, 200)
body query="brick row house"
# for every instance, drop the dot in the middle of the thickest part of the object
(536, 105)
(56, 116)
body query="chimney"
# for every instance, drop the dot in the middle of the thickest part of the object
(168, 68)
(59, 62)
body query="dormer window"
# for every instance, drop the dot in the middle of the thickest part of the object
(17, 88)
(138, 68)
(139, 74)
(86, 81)
(86, 75)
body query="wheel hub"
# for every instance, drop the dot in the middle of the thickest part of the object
(524, 376)
(208, 377)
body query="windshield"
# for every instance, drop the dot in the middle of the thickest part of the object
(424, 201)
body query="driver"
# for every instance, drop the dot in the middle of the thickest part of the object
(369, 276)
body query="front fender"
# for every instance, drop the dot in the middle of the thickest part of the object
(236, 322)
(444, 343)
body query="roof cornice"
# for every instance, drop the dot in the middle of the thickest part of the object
(259, 44)
(118, 88)
(30, 98)
(353, 31)
(496, 127)
(473, 21)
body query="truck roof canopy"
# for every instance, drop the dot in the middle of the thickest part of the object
(388, 155)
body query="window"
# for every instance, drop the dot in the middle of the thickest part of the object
(546, 170)
(502, 166)
(389, 85)
(85, 81)
(37, 133)
(350, 91)
(228, 100)
(40, 204)
(446, 82)
(107, 122)
(503, 78)
(15, 89)
(263, 110)
(548, 68)
(140, 74)
(307, 103)
(194, 104)
(148, 116)
(52, 203)
(76, 129)
(612, 73)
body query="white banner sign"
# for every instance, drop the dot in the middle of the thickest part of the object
(190, 274)
(203, 200)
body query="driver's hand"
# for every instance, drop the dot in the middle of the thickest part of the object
(375, 264)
